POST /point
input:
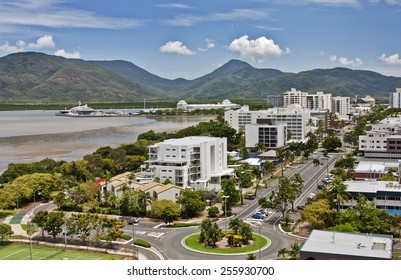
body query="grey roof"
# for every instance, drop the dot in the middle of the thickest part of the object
(346, 243)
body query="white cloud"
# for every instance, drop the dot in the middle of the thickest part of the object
(7, 48)
(235, 14)
(55, 14)
(45, 41)
(393, 2)
(338, 3)
(209, 45)
(257, 50)
(345, 61)
(176, 47)
(392, 59)
(65, 54)
(174, 5)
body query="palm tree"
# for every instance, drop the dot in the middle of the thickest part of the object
(339, 193)
(282, 253)
(235, 225)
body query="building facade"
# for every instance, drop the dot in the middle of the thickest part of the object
(318, 101)
(294, 116)
(197, 162)
(341, 105)
(226, 105)
(395, 98)
(272, 136)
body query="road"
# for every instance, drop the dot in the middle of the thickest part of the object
(167, 241)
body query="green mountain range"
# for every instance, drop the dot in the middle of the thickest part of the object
(38, 77)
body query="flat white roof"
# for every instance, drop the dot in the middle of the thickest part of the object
(372, 186)
(375, 166)
(191, 140)
(346, 243)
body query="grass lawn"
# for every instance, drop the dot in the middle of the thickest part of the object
(21, 252)
(260, 242)
(6, 213)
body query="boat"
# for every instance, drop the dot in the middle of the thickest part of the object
(80, 111)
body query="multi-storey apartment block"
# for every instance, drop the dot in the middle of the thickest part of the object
(270, 134)
(382, 140)
(294, 116)
(341, 105)
(395, 98)
(197, 162)
(318, 101)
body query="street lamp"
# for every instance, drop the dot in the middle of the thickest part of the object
(225, 211)
(260, 251)
(133, 241)
(30, 239)
(34, 195)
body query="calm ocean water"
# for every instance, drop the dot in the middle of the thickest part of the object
(27, 136)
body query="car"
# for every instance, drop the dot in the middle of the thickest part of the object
(120, 218)
(311, 195)
(133, 220)
(321, 187)
(250, 196)
(257, 217)
(260, 214)
(300, 207)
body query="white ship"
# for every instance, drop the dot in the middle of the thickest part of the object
(86, 111)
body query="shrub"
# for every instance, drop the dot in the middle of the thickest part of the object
(213, 212)
(126, 236)
(143, 243)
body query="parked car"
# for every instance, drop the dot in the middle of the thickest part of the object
(321, 187)
(257, 216)
(260, 214)
(120, 218)
(133, 220)
(250, 196)
(311, 195)
(300, 207)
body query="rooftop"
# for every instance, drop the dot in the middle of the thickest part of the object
(346, 243)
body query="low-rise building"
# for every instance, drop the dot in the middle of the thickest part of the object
(226, 105)
(266, 132)
(117, 184)
(368, 170)
(385, 195)
(331, 245)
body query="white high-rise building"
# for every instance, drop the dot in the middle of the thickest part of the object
(294, 116)
(395, 98)
(198, 161)
(318, 101)
(341, 105)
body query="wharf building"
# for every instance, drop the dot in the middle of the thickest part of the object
(226, 105)
(198, 162)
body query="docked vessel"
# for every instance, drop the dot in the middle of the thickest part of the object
(86, 111)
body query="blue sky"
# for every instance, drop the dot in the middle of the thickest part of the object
(188, 39)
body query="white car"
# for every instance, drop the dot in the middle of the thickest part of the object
(311, 195)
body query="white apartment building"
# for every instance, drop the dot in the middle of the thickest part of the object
(318, 101)
(226, 104)
(382, 140)
(198, 162)
(294, 116)
(395, 98)
(272, 136)
(341, 105)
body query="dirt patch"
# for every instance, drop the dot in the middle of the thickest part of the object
(223, 244)
(302, 229)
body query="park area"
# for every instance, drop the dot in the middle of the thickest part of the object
(14, 251)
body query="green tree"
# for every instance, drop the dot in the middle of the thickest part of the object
(229, 189)
(339, 193)
(235, 225)
(268, 167)
(319, 214)
(165, 209)
(213, 212)
(40, 219)
(5, 232)
(331, 143)
(192, 203)
(54, 223)
(210, 233)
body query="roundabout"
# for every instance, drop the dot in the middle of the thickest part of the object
(260, 243)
